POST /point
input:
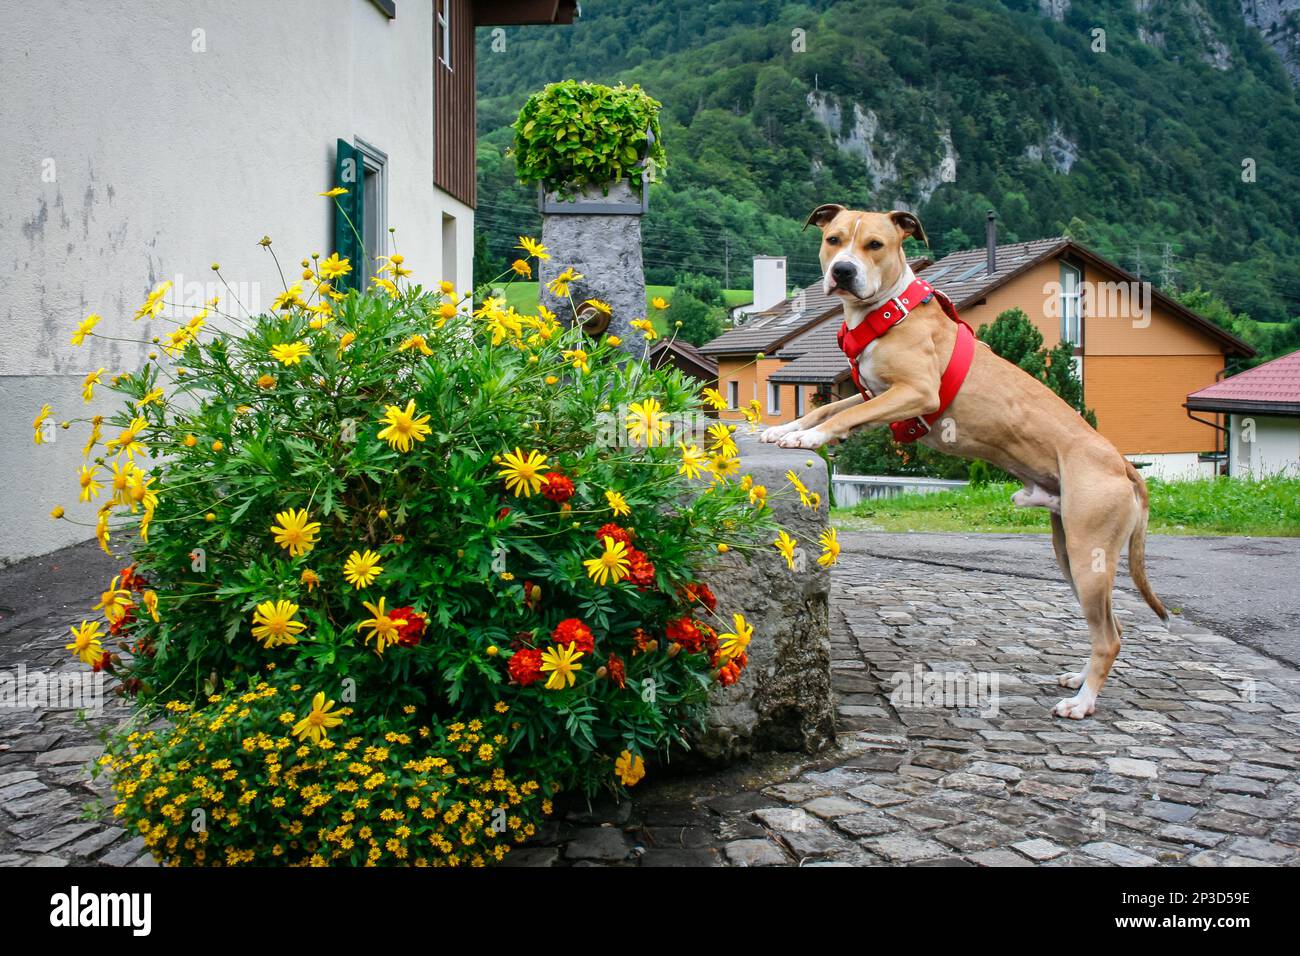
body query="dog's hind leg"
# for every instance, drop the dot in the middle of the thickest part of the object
(1097, 521)
(1070, 679)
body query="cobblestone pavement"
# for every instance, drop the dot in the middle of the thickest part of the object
(1191, 758)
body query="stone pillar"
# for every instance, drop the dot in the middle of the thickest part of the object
(605, 247)
(783, 699)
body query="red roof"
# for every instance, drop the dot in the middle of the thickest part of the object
(1273, 386)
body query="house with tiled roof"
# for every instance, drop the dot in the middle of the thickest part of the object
(1138, 351)
(1262, 406)
(684, 356)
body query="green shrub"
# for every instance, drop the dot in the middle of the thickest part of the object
(572, 135)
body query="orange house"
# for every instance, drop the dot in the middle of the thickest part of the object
(1138, 352)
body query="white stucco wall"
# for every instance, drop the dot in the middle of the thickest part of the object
(1264, 445)
(131, 155)
(1174, 466)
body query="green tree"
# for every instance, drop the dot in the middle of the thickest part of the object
(700, 322)
(1017, 340)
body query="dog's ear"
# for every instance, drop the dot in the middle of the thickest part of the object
(820, 216)
(909, 224)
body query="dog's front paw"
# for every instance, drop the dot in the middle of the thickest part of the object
(1079, 706)
(775, 433)
(807, 438)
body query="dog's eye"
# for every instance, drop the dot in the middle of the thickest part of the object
(832, 240)
(875, 244)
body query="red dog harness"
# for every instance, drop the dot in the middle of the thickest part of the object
(854, 341)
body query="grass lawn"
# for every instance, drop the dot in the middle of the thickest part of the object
(523, 296)
(1223, 506)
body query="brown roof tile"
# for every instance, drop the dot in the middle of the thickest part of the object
(1275, 385)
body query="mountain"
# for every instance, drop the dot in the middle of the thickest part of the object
(1166, 135)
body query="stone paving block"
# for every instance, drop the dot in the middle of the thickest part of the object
(902, 848)
(998, 858)
(755, 853)
(605, 844)
(1118, 855)
(1038, 849)
(53, 839)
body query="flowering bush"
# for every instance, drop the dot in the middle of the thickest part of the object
(417, 508)
(244, 781)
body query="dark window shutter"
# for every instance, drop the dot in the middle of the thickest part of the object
(350, 173)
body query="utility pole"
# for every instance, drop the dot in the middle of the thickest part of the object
(726, 260)
(1167, 269)
(1138, 267)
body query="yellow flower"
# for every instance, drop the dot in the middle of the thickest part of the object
(345, 340)
(153, 304)
(331, 193)
(393, 264)
(659, 302)
(403, 427)
(533, 248)
(416, 342)
(265, 381)
(295, 532)
(785, 544)
(85, 644)
(714, 398)
(561, 662)
(578, 359)
(57, 512)
(629, 768)
(522, 472)
(754, 413)
(617, 503)
(88, 385)
(45, 413)
(290, 353)
(559, 286)
(800, 487)
(334, 267)
(647, 328)
(309, 579)
(604, 308)
(613, 341)
(612, 564)
(387, 285)
(647, 423)
(114, 602)
(288, 298)
(361, 568)
(830, 543)
(722, 465)
(757, 495)
(522, 268)
(273, 623)
(316, 723)
(722, 439)
(382, 628)
(83, 329)
(89, 486)
(101, 529)
(150, 397)
(692, 461)
(96, 433)
(128, 441)
(735, 643)
(150, 601)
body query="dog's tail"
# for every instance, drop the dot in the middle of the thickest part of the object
(1137, 544)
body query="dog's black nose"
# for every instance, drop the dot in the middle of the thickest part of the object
(842, 273)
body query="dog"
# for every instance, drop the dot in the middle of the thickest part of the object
(1001, 414)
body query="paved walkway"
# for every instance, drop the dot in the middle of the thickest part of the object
(1191, 759)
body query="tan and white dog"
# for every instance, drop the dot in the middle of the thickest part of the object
(1002, 415)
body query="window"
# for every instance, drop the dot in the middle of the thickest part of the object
(798, 402)
(449, 250)
(1071, 304)
(374, 201)
(733, 394)
(444, 33)
(774, 398)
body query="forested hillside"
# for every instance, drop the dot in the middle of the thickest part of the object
(1166, 136)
